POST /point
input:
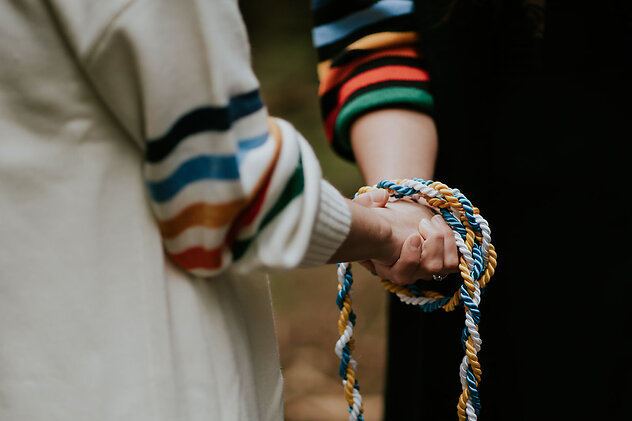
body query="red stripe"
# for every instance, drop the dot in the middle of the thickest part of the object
(381, 74)
(370, 77)
(250, 213)
(198, 258)
(330, 122)
(336, 75)
(202, 258)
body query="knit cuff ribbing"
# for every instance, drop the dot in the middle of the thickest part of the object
(331, 227)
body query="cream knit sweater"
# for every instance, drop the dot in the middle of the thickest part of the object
(144, 191)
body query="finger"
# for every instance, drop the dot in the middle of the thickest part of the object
(450, 250)
(373, 199)
(432, 252)
(403, 271)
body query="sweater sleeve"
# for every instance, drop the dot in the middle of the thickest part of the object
(229, 186)
(369, 58)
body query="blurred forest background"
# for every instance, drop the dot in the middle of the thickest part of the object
(304, 300)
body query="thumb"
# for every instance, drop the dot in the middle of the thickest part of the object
(373, 199)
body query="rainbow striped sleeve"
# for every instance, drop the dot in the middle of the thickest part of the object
(216, 182)
(369, 58)
(228, 185)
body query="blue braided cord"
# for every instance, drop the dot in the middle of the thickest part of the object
(474, 396)
(477, 256)
(414, 290)
(434, 305)
(454, 223)
(359, 415)
(464, 335)
(340, 297)
(469, 303)
(344, 362)
(401, 190)
(421, 180)
(431, 306)
(469, 211)
(344, 289)
(428, 307)
(356, 386)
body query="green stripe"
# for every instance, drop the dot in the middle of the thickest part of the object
(292, 189)
(386, 97)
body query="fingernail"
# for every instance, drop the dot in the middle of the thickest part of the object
(415, 242)
(377, 196)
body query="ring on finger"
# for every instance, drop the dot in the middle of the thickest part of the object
(438, 277)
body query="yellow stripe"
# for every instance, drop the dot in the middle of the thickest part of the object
(383, 40)
(373, 42)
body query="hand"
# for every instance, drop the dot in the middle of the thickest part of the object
(421, 243)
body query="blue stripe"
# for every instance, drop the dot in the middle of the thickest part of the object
(331, 32)
(199, 168)
(204, 167)
(210, 118)
(245, 146)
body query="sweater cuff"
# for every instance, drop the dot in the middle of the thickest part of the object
(332, 225)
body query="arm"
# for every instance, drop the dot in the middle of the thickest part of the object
(375, 103)
(394, 144)
(369, 59)
(228, 186)
(399, 143)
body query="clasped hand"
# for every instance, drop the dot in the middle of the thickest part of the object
(420, 245)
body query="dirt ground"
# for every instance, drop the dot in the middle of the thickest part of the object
(306, 319)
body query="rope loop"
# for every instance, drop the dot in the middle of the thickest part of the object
(477, 264)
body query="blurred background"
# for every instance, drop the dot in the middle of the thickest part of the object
(304, 300)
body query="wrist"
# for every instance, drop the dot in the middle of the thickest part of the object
(331, 226)
(369, 237)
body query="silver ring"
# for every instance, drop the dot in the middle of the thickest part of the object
(438, 277)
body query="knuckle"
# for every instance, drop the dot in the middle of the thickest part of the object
(452, 265)
(433, 266)
(434, 235)
(401, 278)
(403, 281)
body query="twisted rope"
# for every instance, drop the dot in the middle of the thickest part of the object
(477, 265)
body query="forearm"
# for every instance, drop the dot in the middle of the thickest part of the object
(369, 237)
(394, 143)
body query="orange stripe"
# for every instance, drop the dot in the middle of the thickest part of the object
(216, 215)
(336, 75)
(203, 214)
(380, 74)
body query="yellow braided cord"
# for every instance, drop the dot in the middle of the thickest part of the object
(477, 264)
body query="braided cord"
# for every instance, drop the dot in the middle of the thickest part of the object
(477, 265)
